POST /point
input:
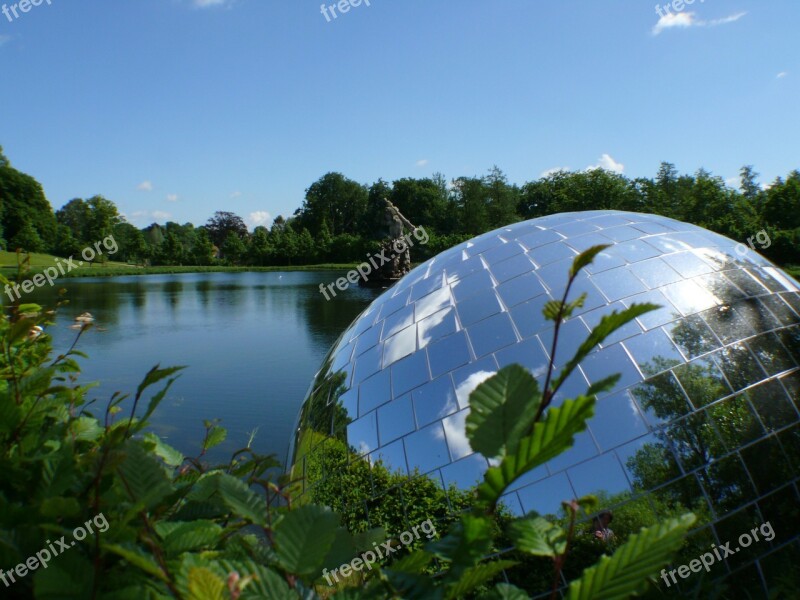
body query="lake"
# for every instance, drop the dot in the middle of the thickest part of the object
(252, 343)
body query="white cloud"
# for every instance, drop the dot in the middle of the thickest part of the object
(608, 163)
(172, 197)
(4, 39)
(733, 182)
(236, 194)
(684, 20)
(553, 171)
(145, 186)
(725, 20)
(422, 163)
(260, 217)
(160, 215)
(782, 74)
(209, 3)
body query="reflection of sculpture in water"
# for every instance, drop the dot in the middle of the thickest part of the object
(394, 254)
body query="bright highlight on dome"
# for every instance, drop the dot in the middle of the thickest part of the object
(704, 417)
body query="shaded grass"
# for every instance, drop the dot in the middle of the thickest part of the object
(8, 267)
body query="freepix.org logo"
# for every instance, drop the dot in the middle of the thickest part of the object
(23, 6)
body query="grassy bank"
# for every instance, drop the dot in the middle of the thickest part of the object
(8, 267)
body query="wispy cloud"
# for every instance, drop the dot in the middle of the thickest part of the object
(260, 217)
(236, 194)
(553, 171)
(422, 163)
(172, 197)
(685, 20)
(608, 163)
(4, 39)
(145, 186)
(782, 74)
(210, 3)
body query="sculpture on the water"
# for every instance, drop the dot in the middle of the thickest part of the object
(394, 250)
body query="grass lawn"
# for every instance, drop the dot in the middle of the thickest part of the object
(8, 267)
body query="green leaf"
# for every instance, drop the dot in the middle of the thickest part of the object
(603, 385)
(538, 536)
(626, 572)
(144, 478)
(468, 542)
(19, 330)
(415, 562)
(193, 535)
(303, 538)
(550, 437)
(502, 410)
(36, 383)
(59, 508)
(586, 258)
(551, 310)
(85, 429)
(155, 375)
(216, 436)
(205, 585)
(29, 308)
(232, 493)
(608, 325)
(164, 451)
(505, 591)
(266, 583)
(69, 577)
(138, 558)
(477, 576)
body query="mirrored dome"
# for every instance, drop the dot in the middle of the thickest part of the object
(704, 417)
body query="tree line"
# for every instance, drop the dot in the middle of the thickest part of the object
(341, 220)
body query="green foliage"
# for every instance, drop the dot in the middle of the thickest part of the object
(340, 219)
(177, 527)
(626, 572)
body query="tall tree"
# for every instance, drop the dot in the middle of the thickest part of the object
(224, 223)
(336, 199)
(25, 207)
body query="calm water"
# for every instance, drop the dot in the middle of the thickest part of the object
(252, 342)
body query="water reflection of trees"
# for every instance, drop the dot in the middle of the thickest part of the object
(730, 441)
(724, 443)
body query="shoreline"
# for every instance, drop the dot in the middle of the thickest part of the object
(84, 272)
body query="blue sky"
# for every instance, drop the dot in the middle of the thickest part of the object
(177, 108)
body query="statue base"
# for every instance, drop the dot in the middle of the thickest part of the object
(390, 272)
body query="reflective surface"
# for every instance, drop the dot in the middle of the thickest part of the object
(705, 414)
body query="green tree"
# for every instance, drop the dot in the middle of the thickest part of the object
(25, 207)
(27, 239)
(202, 252)
(502, 198)
(233, 248)
(335, 199)
(222, 224)
(132, 244)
